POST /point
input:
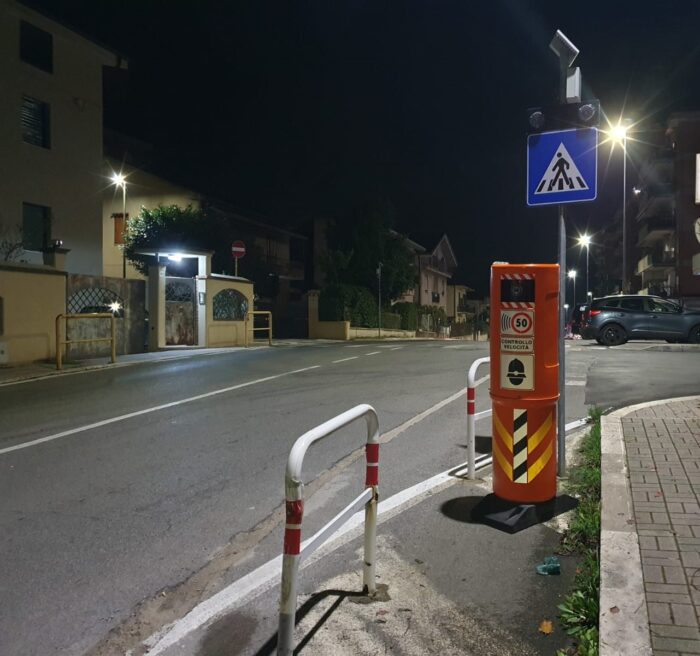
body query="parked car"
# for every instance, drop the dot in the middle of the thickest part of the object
(612, 320)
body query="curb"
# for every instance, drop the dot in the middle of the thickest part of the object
(623, 620)
(81, 369)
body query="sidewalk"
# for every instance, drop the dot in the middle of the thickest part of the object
(650, 538)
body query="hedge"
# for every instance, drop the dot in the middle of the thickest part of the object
(348, 303)
(409, 314)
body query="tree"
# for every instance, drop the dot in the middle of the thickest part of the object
(10, 244)
(166, 227)
(359, 243)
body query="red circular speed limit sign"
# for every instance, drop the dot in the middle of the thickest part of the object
(522, 323)
(237, 249)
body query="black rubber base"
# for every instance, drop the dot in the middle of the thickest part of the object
(512, 517)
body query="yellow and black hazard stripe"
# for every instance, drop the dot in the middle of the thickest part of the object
(520, 446)
(524, 465)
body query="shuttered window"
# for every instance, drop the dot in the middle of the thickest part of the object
(36, 120)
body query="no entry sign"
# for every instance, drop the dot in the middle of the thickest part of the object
(237, 249)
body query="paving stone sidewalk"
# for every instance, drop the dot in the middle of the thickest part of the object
(662, 444)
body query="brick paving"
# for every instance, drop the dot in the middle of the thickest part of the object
(662, 444)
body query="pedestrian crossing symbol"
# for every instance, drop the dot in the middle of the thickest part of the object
(561, 174)
(562, 166)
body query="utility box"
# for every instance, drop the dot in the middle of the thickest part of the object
(524, 380)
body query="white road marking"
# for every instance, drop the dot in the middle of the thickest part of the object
(145, 411)
(354, 357)
(267, 576)
(373, 353)
(395, 348)
(576, 383)
(353, 346)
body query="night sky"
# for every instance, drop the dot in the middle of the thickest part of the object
(299, 109)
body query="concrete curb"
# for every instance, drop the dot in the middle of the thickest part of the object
(624, 622)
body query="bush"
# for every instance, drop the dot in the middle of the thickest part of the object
(438, 316)
(408, 313)
(348, 303)
(391, 321)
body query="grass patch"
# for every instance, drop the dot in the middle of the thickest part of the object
(579, 612)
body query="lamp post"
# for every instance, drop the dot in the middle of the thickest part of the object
(119, 180)
(585, 241)
(379, 298)
(572, 277)
(619, 135)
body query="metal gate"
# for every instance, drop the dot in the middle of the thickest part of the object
(180, 312)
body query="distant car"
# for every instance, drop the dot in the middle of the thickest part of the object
(612, 320)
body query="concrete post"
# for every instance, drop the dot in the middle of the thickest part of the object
(156, 307)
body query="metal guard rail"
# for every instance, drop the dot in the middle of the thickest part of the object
(294, 551)
(471, 416)
(268, 328)
(67, 342)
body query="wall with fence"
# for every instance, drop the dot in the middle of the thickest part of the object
(30, 299)
(228, 301)
(125, 297)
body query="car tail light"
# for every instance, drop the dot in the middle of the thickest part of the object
(593, 313)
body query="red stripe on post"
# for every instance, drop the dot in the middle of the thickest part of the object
(295, 511)
(471, 393)
(372, 477)
(292, 541)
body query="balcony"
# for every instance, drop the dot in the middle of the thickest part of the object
(656, 261)
(655, 229)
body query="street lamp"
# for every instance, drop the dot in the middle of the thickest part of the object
(584, 241)
(119, 180)
(572, 277)
(618, 133)
(379, 299)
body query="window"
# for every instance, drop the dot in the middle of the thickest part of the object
(436, 298)
(632, 304)
(36, 122)
(654, 305)
(35, 46)
(36, 226)
(120, 227)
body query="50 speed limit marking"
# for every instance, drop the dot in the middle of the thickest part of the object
(517, 322)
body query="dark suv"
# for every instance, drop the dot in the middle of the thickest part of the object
(612, 320)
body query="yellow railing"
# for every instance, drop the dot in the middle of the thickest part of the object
(67, 342)
(268, 328)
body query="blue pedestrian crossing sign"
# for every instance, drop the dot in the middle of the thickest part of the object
(562, 166)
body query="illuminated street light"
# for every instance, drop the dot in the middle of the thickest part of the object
(618, 133)
(572, 276)
(119, 180)
(584, 241)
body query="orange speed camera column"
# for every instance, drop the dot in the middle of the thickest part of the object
(524, 380)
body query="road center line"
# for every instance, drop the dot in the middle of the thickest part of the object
(373, 353)
(354, 357)
(145, 411)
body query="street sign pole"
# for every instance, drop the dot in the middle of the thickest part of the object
(235, 267)
(561, 404)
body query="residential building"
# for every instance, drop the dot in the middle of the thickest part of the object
(458, 308)
(51, 135)
(669, 195)
(435, 269)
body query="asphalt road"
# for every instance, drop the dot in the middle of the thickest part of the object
(117, 486)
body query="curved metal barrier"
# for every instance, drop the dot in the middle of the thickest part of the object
(268, 328)
(294, 550)
(67, 342)
(471, 416)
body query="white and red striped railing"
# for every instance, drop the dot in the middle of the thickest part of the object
(472, 384)
(294, 550)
